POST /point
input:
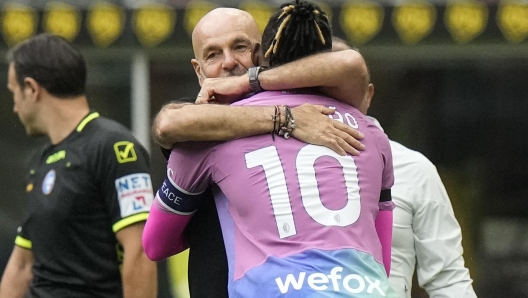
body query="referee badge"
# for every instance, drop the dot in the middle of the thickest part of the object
(49, 182)
(125, 152)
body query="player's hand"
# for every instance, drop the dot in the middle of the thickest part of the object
(223, 90)
(315, 127)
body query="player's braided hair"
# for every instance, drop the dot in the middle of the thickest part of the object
(297, 30)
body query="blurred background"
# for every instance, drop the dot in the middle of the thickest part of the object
(451, 81)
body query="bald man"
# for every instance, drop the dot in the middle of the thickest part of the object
(226, 43)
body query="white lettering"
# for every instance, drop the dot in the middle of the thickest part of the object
(349, 118)
(317, 278)
(374, 285)
(334, 277)
(165, 191)
(177, 200)
(351, 121)
(360, 287)
(339, 116)
(290, 279)
(170, 195)
(352, 283)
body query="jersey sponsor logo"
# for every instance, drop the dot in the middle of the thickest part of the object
(56, 157)
(125, 152)
(49, 182)
(134, 193)
(352, 283)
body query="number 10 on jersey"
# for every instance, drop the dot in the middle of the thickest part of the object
(268, 158)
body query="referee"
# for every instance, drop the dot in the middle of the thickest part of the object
(89, 189)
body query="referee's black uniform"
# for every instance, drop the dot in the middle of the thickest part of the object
(81, 192)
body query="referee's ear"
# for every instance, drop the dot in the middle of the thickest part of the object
(32, 88)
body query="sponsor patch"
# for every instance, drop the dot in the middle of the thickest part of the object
(134, 193)
(125, 152)
(49, 182)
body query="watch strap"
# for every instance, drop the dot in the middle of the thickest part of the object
(254, 83)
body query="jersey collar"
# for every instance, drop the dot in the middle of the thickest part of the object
(86, 120)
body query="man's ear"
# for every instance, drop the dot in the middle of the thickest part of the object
(31, 88)
(370, 93)
(198, 71)
(258, 55)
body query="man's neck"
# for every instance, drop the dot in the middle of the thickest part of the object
(63, 117)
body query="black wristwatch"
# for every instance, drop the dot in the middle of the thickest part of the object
(253, 73)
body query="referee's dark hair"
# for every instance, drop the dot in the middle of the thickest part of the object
(298, 29)
(52, 62)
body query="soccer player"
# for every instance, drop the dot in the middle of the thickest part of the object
(89, 188)
(297, 218)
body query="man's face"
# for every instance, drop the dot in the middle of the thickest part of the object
(23, 105)
(223, 48)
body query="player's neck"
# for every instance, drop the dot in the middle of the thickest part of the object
(63, 117)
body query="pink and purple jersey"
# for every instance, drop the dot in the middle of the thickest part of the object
(298, 220)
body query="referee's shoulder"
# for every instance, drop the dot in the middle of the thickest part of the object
(102, 128)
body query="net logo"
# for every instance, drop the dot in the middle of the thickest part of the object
(134, 193)
(352, 283)
(133, 184)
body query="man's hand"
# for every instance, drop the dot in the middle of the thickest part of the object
(315, 127)
(223, 90)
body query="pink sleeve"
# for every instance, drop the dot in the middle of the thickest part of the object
(188, 176)
(163, 233)
(384, 230)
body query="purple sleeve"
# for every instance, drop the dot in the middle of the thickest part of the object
(190, 166)
(384, 230)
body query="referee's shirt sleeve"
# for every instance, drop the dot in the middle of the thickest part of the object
(123, 174)
(22, 239)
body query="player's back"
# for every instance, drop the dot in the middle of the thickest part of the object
(300, 218)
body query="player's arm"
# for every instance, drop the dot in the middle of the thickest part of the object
(179, 196)
(438, 240)
(341, 75)
(17, 274)
(163, 235)
(384, 220)
(139, 273)
(179, 122)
